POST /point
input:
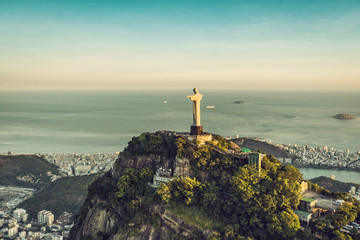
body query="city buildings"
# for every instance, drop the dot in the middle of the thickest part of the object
(19, 213)
(45, 217)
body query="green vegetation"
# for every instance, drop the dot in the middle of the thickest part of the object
(65, 194)
(207, 159)
(326, 192)
(224, 194)
(221, 142)
(130, 196)
(34, 168)
(330, 227)
(345, 214)
(182, 190)
(148, 143)
(246, 202)
(195, 216)
(333, 185)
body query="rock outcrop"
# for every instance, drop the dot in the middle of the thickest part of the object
(344, 116)
(151, 161)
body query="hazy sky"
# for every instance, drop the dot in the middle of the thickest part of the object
(180, 44)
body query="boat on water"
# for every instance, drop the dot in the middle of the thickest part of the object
(210, 106)
(165, 101)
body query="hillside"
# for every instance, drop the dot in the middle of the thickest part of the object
(64, 194)
(26, 171)
(333, 185)
(262, 146)
(212, 195)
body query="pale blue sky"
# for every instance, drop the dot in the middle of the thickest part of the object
(179, 44)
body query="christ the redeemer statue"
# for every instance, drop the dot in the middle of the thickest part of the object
(196, 128)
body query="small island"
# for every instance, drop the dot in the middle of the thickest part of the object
(239, 102)
(344, 116)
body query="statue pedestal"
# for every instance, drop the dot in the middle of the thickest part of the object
(196, 130)
(201, 139)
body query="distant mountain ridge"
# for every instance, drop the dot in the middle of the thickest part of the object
(333, 185)
(66, 194)
(26, 171)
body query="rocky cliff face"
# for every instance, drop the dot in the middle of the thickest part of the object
(151, 161)
(97, 220)
(100, 224)
(100, 218)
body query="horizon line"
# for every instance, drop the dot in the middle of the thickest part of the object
(180, 89)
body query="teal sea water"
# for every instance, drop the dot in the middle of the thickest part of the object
(104, 121)
(340, 174)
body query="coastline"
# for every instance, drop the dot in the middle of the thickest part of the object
(325, 167)
(110, 157)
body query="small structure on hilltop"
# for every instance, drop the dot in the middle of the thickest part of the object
(303, 216)
(162, 175)
(196, 130)
(255, 159)
(306, 204)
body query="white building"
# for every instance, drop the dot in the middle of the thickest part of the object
(45, 217)
(56, 237)
(162, 175)
(352, 190)
(22, 235)
(25, 217)
(12, 223)
(13, 231)
(19, 214)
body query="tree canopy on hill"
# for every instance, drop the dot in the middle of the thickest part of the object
(245, 202)
(25, 165)
(63, 195)
(148, 143)
(224, 196)
(248, 203)
(333, 185)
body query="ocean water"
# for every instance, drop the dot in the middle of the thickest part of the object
(340, 174)
(105, 121)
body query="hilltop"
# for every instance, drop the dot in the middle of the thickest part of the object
(333, 185)
(211, 195)
(26, 171)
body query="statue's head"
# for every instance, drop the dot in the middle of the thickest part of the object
(195, 90)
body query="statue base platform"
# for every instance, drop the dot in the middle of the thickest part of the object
(201, 139)
(196, 130)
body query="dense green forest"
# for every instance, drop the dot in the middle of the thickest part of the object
(34, 167)
(224, 194)
(63, 195)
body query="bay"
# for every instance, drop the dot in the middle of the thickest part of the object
(340, 174)
(104, 121)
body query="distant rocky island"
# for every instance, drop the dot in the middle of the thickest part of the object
(239, 102)
(344, 116)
